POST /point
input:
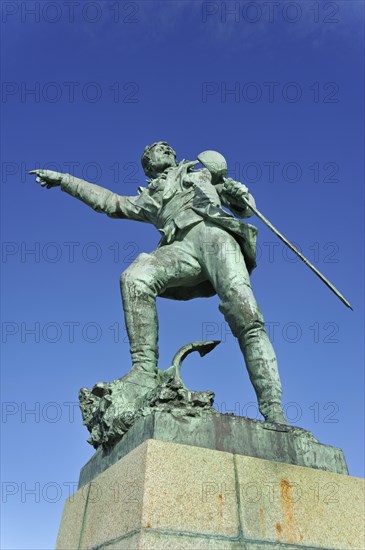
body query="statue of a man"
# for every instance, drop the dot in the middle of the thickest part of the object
(203, 251)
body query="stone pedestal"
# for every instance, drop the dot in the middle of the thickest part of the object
(166, 495)
(222, 432)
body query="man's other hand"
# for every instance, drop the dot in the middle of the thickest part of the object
(235, 189)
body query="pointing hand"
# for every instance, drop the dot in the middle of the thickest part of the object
(47, 178)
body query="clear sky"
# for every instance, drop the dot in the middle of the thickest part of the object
(278, 90)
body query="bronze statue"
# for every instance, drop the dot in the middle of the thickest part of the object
(203, 251)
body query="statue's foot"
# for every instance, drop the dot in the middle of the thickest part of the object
(275, 414)
(140, 378)
(277, 419)
(136, 384)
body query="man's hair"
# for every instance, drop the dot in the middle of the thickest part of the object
(146, 157)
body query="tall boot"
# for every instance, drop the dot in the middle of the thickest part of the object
(139, 304)
(246, 322)
(262, 368)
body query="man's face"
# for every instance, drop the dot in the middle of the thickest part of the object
(162, 157)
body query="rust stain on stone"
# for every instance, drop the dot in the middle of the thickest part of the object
(290, 528)
(262, 515)
(220, 504)
(262, 521)
(279, 530)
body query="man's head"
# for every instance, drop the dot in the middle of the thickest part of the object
(157, 157)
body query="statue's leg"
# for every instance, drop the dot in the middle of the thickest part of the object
(147, 277)
(141, 318)
(224, 262)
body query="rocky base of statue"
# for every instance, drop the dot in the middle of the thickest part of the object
(109, 410)
(108, 417)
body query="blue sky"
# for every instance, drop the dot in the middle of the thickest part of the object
(280, 94)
